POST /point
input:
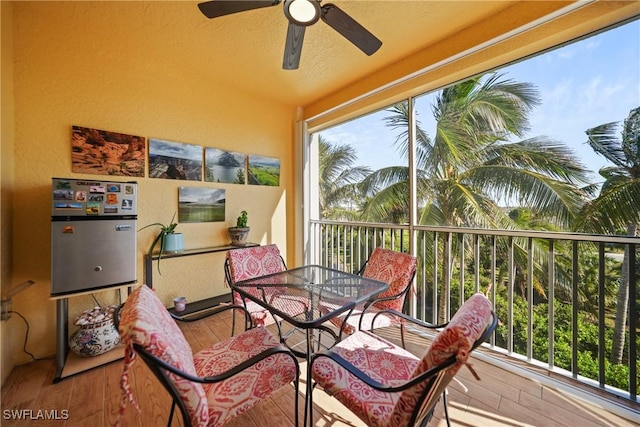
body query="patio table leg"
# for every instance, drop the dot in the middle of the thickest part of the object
(308, 407)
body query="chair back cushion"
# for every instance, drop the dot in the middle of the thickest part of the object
(247, 263)
(395, 268)
(145, 321)
(457, 338)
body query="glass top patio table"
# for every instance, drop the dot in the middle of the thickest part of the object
(323, 292)
(306, 297)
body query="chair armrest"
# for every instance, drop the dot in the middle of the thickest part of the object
(212, 311)
(407, 318)
(374, 299)
(279, 349)
(377, 385)
(224, 375)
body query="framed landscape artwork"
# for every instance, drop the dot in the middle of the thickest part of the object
(197, 204)
(175, 160)
(107, 153)
(224, 166)
(264, 170)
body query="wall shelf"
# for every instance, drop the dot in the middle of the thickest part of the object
(149, 258)
(195, 306)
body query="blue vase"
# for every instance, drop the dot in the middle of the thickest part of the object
(173, 242)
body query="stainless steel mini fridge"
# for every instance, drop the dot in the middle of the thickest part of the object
(93, 234)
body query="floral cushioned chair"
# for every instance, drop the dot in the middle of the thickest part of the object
(385, 385)
(247, 263)
(216, 384)
(395, 268)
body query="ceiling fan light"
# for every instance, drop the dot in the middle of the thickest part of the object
(302, 12)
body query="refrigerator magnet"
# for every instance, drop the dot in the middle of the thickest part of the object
(63, 195)
(81, 196)
(62, 184)
(93, 208)
(97, 189)
(68, 229)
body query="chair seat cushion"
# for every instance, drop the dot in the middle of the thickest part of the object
(259, 315)
(290, 304)
(376, 357)
(382, 321)
(233, 396)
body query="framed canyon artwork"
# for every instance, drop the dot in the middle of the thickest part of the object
(104, 152)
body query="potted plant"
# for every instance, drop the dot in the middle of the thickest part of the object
(240, 232)
(169, 240)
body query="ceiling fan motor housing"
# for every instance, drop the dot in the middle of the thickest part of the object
(302, 12)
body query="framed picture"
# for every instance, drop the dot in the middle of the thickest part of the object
(103, 152)
(224, 166)
(175, 160)
(197, 204)
(264, 170)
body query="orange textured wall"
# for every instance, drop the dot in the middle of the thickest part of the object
(78, 63)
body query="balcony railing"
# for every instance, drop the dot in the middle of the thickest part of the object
(521, 272)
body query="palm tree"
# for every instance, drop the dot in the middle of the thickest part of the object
(618, 204)
(469, 168)
(338, 176)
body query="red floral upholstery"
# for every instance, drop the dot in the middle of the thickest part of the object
(390, 365)
(247, 263)
(146, 322)
(228, 399)
(395, 268)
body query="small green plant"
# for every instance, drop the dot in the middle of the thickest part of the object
(242, 220)
(164, 230)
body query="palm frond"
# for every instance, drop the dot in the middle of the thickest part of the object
(540, 154)
(615, 208)
(604, 140)
(387, 205)
(559, 200)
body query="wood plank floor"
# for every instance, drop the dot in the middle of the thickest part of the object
(92, 398)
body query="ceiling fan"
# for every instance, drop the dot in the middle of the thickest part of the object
(301, 14)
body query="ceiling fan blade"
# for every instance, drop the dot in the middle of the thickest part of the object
(350, 29)
(293, 46)
(215, 8)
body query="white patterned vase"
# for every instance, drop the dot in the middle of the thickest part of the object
(94, 338)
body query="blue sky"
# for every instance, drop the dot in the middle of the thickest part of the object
(160, 147)
(582, 85)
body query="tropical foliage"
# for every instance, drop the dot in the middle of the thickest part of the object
(618, 204)
(337, 180)
(469, 168)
